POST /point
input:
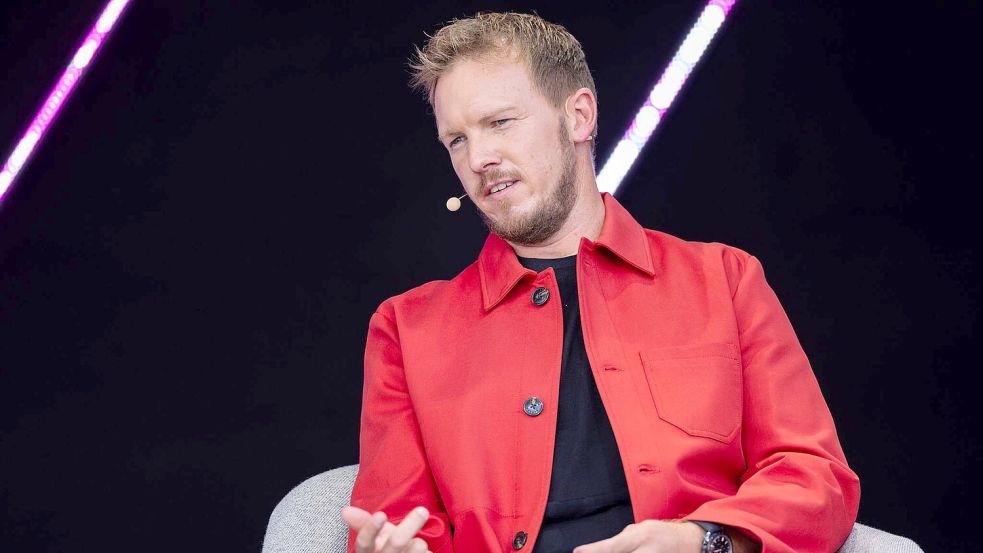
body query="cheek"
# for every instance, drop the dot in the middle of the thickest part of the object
(543, 163)
(540, 154)
(460, 166)
(462, 170)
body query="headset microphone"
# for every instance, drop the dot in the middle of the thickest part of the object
(453, 204)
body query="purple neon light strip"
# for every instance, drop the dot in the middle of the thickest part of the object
(59, 94)
(663, 93)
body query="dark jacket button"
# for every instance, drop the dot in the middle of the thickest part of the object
(541, 295)
(519, 540)
(533, 406)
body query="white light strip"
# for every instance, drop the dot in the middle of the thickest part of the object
(660, 98)
(63, 88)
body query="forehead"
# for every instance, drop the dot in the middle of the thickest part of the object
(473, 87)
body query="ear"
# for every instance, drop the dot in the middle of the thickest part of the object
(581, 115)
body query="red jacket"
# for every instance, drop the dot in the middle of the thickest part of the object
(716, 411)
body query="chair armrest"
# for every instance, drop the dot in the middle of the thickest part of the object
(308, 519)
(864, 539)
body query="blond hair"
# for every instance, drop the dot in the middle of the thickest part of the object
(553, 57)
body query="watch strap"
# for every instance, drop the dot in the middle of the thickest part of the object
(712, 529)
(708, 526)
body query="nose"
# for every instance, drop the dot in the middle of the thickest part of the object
(482, 154)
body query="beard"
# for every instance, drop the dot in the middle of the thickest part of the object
(546, 218)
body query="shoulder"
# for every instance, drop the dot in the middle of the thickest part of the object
(673, 254)
(667, 246)
(428, 299)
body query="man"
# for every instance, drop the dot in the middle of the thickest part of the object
(586, 384)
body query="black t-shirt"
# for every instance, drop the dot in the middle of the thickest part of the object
(588, 499)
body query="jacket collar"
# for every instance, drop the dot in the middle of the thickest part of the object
(499, 269)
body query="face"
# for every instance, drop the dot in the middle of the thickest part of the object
(509, 148)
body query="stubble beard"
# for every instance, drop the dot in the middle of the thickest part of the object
(546, 219)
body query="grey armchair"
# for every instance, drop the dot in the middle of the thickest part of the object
(308, 520)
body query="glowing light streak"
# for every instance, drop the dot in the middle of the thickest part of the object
(59, 93)
(663, 93)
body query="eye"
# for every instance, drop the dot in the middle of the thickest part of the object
(454, 142)
(500, 122)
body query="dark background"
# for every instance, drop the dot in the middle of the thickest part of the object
(189, 262)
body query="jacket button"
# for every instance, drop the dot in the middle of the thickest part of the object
(533, 406)
(540, 296)
(519, 540)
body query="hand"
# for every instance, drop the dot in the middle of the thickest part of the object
(376, 535)
(651, 536)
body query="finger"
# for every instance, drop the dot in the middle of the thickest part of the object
(603, 546)
(365, 540)
(354, 517)
(383, 535)
(387, 529)
(417, 546)
(620, 543)
(406, 530)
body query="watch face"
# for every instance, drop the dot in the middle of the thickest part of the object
(719, 543)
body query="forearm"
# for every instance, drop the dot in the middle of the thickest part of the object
(394, 475)
(797, 493)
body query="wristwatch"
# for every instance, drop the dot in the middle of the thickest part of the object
(715, 540)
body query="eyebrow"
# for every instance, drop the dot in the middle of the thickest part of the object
(484, 118)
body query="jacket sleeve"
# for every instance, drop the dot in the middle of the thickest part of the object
(393, 474)
(797, 493)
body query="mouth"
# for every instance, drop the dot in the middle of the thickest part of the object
(501, 186)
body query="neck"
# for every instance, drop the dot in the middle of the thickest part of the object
(585, 221)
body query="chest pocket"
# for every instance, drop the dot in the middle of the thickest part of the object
(697, 388)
